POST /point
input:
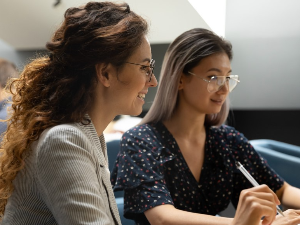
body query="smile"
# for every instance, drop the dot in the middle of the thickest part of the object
(217, 101)
(141, 96)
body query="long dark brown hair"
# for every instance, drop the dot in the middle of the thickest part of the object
(59, 88)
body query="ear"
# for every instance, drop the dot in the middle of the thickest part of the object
(181, 82)
(104, 75)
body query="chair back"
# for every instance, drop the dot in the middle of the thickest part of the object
(283, 158)
(113, 148)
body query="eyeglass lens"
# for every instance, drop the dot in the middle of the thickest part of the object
(216, 83)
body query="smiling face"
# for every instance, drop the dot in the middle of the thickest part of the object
(193, 93)
(131, 83)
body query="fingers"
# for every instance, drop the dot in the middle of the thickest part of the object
(268, 211)
(258, 202)
(264, 188)
(262, 204)
(291, 217)
(295, 211)
(261, 201)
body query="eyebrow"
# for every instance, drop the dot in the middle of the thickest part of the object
(146, 60)
(217, 70)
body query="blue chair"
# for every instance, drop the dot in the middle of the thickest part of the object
(120, 203)
(113, 148)
(278, 146)
(282, 157)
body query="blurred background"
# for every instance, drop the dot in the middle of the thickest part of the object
(265, 35)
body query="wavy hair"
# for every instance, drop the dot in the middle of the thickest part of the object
(59, 88)
(183, 54)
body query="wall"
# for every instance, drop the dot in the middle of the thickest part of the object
(8, 53)
(265, 37)
(19, 58)
(158, 53)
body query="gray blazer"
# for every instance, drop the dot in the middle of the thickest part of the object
(65, 181)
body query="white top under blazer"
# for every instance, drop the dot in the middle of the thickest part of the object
(65, 181)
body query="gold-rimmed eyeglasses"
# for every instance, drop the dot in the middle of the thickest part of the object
(215, 83)
(148, 69)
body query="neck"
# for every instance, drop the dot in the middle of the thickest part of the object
(186, 124)
(100, 118)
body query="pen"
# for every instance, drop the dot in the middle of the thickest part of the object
(252, 180)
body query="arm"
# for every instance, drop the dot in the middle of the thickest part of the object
(261, 171)
(168, 214)
(289, 196)
(254, 203)
(68, 181)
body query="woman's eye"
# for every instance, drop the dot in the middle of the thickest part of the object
(213, 77)
(145, 68)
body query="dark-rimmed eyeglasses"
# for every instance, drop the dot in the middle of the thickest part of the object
(148, 69)
(215, 83)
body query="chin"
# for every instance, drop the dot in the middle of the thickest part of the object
(214, 111)
(135, 112)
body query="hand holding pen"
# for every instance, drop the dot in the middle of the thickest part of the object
(252, 181)
(256, 206)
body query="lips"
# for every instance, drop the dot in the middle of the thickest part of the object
(217, 100)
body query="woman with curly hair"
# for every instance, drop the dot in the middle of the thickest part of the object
(54, 166)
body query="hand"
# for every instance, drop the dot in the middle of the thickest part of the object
(291, 217)
(255, 203)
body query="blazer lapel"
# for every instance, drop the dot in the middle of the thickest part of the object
(101, 151)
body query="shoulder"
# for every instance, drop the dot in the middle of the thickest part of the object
(146, 142)
(144, 154)
(63, 137)
(145, 132)
(144, 128)
(62, 132)
(226, 133)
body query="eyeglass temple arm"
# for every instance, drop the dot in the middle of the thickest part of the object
(236, 79)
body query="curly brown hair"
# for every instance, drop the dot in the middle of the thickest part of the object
(59, 88)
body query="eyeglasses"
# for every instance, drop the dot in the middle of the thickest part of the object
(217, 82)
(148, 69)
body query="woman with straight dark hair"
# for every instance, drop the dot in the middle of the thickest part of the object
(179, 165)
(54, 166)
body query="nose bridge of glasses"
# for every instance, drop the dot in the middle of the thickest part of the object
(222, 82)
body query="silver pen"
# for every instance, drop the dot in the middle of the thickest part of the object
(252, 180)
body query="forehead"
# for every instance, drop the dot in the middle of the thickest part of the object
(218, 61)
(142, 53)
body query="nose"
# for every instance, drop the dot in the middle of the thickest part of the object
(224, 88)
(153, 81)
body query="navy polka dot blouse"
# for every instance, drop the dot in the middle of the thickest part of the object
(152, 171)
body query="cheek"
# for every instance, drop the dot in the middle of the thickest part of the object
(198, 91)
(195, 95)
(138, 83)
